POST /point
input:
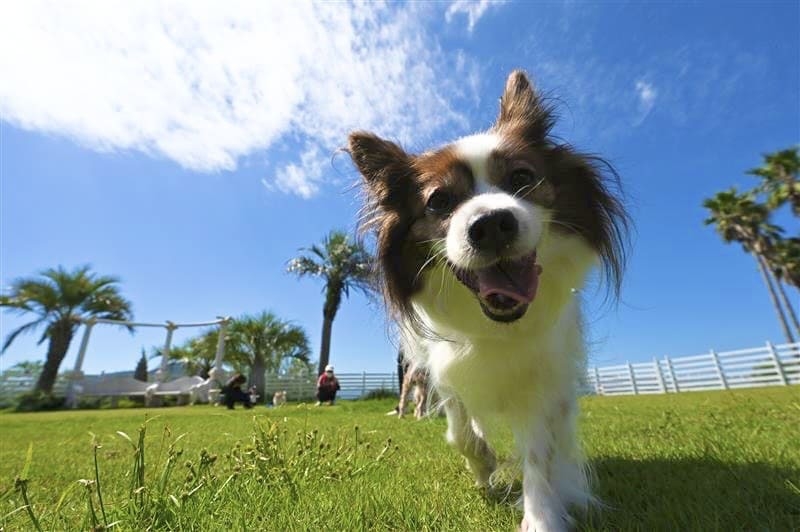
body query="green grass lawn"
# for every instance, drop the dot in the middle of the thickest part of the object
(694, 461)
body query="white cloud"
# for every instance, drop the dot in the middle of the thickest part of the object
(473, 9)
(302, 178)
(647, 94)
(206, 83)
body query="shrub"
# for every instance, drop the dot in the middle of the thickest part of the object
(105, 403)
(39, 402)
(381, 393)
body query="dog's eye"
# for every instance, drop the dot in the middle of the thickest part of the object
(521, 178)
(440, 202)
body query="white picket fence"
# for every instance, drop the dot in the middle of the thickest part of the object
(769, 365)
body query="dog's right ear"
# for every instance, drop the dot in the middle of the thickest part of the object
(387, 169)
(522, 110)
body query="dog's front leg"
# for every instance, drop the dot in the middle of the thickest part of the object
(462, 436)
(544, 508)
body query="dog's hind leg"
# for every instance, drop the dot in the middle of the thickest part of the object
(420, 400)
(401, 406)
(462, 435)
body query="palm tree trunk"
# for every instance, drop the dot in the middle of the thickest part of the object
(333, 298)
(325, 347)
(60, 337)
(781, 316)
(787, 304)
(257, 377)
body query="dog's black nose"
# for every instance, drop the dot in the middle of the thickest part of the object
(493, 230)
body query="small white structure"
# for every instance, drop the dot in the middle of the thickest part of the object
(186, 389)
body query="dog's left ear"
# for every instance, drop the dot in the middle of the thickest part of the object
(522, 111)
(387, 169)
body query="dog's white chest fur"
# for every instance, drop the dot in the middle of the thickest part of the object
(499, 369)
(524, 375)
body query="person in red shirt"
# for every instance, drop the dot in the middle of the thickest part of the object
(327, 386)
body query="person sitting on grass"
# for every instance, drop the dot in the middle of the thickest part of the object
(327, 386)
(233, 392)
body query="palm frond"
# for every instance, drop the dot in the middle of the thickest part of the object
(304, 265)
(59, 294)
(33, 295)
(106, 303)
(28, 327)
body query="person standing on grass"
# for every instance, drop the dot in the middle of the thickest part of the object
(327, 386)
(233, 392)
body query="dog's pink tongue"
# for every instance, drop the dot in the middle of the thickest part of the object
(517, 280)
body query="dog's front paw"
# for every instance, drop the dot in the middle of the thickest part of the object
(532, 523)
(482, 471)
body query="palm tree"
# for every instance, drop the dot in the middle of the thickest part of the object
(196, 355)
(784, 262)
(343, 264)
(264, 342)
(739, 218)
(61, 300)
(780, 185)
(779, 178)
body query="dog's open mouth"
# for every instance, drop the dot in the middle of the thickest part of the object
(504, 289)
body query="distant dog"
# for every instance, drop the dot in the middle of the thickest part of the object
(279, 398)
(482, 245)
(253, 393)
(415, 376)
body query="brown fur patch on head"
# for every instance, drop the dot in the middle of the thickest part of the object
(398, 187)
(441, 171)
(515, 155)
(585, 205)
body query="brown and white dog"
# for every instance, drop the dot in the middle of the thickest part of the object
(482, 245)
(417, 377)
(279, 398)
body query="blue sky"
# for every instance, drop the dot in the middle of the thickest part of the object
(191, 151)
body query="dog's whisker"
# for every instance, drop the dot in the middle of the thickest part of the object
(434, 255)
(523, 191)
(442, 276)
(571, 227)
(421, 268)
(433, 240)
(528, 189)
